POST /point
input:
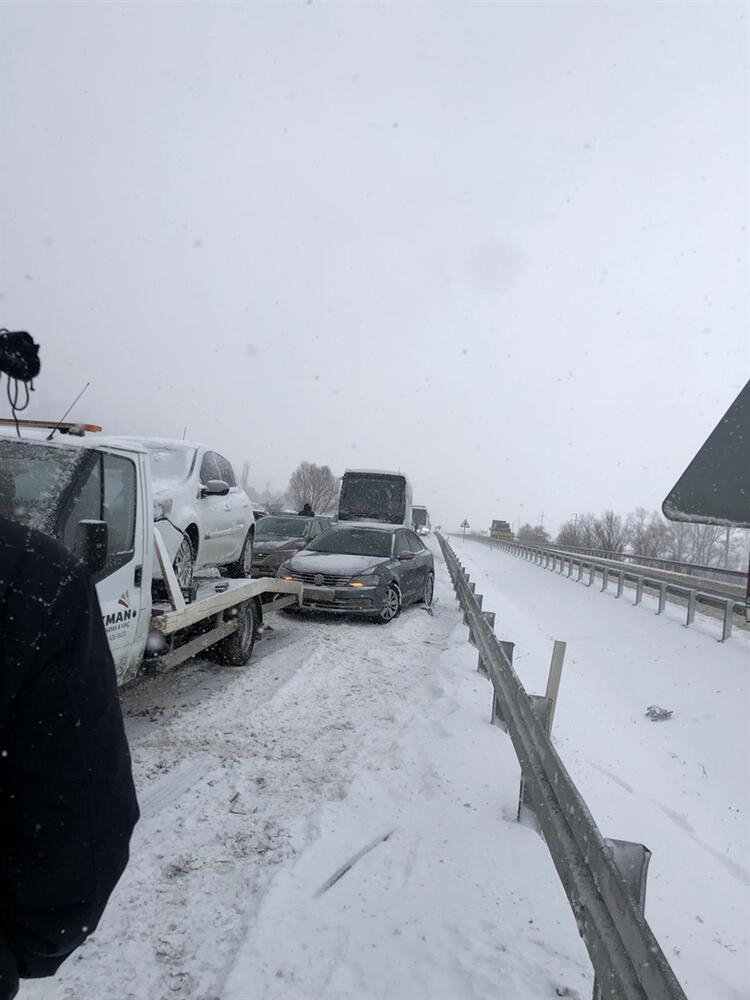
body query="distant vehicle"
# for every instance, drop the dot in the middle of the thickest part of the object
(366, 570)
(501, 530)
(373, 496)
(279, 536)
(204, 517)
(421, 520)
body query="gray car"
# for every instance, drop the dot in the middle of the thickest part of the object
(364, 570)
(277, 536)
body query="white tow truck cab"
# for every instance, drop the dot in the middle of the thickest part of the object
(94, 495)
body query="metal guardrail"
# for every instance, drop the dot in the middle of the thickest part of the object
(719, 573)
(603, 880)
(662, 583)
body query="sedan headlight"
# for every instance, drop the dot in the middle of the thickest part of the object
(284, 573)
(369, 580)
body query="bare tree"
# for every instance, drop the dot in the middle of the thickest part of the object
(533, 535)
(569, 534)
(313, 484)
(610, 532)
(648, 533)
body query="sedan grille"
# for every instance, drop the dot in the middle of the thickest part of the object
(328, 580)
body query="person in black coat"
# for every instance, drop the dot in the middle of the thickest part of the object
(67, 801)
(306, 511)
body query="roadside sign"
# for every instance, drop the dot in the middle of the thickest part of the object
(465, 524)
(715, 487)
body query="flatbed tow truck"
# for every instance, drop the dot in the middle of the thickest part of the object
(42, 482)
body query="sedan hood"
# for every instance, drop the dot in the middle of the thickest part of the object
(334, 563)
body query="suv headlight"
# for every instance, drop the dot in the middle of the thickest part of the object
(283, 572)
(369, 580)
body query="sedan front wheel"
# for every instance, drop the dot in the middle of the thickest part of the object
(391, 605)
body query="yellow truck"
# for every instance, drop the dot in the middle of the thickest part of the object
(501, 530)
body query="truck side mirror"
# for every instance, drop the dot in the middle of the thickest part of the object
(91, 543)
(215, 488)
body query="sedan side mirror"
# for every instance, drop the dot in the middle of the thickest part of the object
(215, 488)
(405, 556)
(90, 544)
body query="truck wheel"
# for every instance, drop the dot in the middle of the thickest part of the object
(237, 648)
(241, 568)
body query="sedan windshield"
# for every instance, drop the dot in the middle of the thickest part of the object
(169, 462)
(281, 527)
(354, 542)
(33, 479)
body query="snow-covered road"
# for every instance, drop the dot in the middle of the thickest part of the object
(258, 786)
(681, 786)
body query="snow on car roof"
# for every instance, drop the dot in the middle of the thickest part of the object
(374, 472)
(375, 525)
(159, 442)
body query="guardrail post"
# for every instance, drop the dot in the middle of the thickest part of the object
(620, 582)
(478, 598)
(580, 570)
(605, 578)
(592, 574)
(553, 679)
(497, 718)
(638, 590)
(570, 568)
(526, 815)
(662, 598)
(632, 861)
(692, 598)
(726, 629)
(489, 617)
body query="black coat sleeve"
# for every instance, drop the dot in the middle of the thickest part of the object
(67, 802)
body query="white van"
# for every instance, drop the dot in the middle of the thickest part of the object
(375, 495)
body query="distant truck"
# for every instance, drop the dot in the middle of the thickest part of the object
(420, 519)
(501, 531)
(374, 495)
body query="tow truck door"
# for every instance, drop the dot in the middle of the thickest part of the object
(112, 491)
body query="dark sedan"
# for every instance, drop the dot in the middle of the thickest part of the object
(277, 536)
(364, 570)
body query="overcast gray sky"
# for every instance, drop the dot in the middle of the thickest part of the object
(500, 247)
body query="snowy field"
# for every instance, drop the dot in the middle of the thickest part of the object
(257, 785)
(682, 787)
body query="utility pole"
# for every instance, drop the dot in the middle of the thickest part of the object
(541, 520)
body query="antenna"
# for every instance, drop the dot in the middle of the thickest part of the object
(59, 422)
(184, 432)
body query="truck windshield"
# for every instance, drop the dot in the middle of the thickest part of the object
(33, 481)
(354, 542)
(281, 527)
(373, 498)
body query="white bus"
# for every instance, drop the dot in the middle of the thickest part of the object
(374, 495)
